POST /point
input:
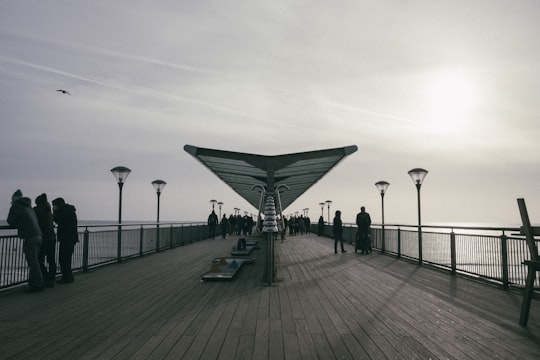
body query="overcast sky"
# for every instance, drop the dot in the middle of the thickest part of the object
(449, 86)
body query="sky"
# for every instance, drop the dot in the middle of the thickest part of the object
(448, 86)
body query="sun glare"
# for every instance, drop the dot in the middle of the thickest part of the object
(449, 101)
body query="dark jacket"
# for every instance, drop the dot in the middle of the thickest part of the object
(337, 226)
(66, 218)
(22, 216)
(45, 220)
(363, 220)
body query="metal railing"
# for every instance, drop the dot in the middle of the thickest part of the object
(488, 253)
(98, 245)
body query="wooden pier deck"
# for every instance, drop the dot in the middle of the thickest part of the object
(323, 306)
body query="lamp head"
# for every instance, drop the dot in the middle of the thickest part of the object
(382, 186)
(417, 175)
(159, 185)
(120, 173)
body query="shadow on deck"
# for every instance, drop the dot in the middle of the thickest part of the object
(343, 306)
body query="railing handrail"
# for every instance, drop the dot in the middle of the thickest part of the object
(125, 224)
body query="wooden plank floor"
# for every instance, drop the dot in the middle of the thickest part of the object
(325, 306)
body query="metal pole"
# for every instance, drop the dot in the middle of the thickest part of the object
(157, 226)
(383, 235)
(119, 249)
(419, 227)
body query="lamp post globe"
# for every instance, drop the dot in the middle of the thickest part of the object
(220, 204)
(321, 204)
(328, 203)
(417, 175)
(382, 186)
(120, 173)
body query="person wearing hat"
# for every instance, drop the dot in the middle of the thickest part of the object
(48, 245)
(64, 215)
(22, 216)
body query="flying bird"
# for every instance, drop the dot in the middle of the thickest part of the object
(63, 91)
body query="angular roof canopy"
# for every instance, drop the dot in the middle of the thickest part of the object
(245, 172)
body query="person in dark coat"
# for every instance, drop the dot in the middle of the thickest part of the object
(363, 221)
(48, 245)
(65, 216)
(224, 226)
(212, 223)
(22, 216)
(338, 232)
(320, 226)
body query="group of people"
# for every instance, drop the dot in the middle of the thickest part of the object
(363, 237)
(233, 224)
(36, 227)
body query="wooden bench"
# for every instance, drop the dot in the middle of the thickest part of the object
(533, 265)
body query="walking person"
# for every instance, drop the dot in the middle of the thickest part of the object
(338, 232)
(22, 216)
(47, 250)
(363, 221)
(65, 216)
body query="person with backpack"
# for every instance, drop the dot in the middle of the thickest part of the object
(363, 221)
(22, 216)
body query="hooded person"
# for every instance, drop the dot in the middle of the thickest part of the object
(48, 245)
(64, 215)
(22, 216)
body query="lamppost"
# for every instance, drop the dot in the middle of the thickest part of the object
(328, 203)
(158, 185)
(213, 202)
(220, 204)
(382, 186)
(120, 173)
(321, 204)
(417, 175)
(306, 210)
(236, 211)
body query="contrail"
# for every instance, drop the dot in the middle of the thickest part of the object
(131, 89)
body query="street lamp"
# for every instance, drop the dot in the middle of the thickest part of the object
(382, 186)
(328, 202)
(158, 185)
(120, 173)
(220, 204)
(236, 211)
(321, 204)
(417, 175)
(213, 202)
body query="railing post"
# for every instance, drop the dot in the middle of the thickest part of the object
(85, 250)
(141, 239)
(453, 262)
(182, 235)
(399, 243)
(171, 238)
(504, 258)
(157, 238)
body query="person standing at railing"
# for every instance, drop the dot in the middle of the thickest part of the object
(65, 217)
(48, 245)
(363, 221)
(22, 216)
(337, 228)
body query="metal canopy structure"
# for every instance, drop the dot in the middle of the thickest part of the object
(245, 173)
